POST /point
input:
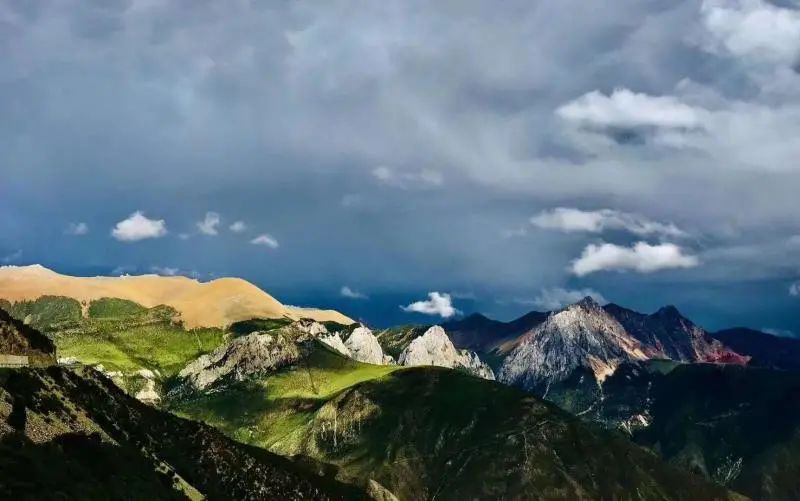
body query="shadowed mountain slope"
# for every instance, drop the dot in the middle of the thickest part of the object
(765, 350)
(76, 435)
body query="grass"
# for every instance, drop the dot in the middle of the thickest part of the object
(164, 347)
(273, 411)
(109, 307)
(45, 313)
(121, 335)
(246, 327)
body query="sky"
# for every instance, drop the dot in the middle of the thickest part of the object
(409, 161)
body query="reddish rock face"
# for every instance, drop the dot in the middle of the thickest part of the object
(668, 334)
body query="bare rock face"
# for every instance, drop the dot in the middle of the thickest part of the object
(583, 335)
(364, 347)
(310, 328)
(148, 393)
(335, 341)
(668, 334)
(435, 348)
(248, 355)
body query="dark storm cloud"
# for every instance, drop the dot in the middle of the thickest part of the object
(281, 113)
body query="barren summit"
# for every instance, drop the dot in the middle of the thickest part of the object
(216, 303)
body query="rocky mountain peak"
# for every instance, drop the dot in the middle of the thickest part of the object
(364, 347)
(583, 335)
(668, 311)
(668, 334)
(587, 303)
(435, 348)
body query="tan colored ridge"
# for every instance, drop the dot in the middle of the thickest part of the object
(217, 303)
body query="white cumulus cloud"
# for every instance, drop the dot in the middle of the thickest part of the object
(208, 226)
(558, 297)
(77, 229)
(576, 220)
(266, 240)
(642, 258)
(347, 292)
(139, 227)
(238, 227)
(437, 304)
(753, 29)
(625, 108)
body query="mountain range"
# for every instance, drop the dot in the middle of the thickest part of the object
(589, 402)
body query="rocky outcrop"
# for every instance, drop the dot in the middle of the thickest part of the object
(245, 356)
(435, 348)
(335, 341)
(364, 347)
(583, 335)
(309, 328)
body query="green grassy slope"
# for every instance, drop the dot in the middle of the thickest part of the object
(120, 335)
(47, 313)
(272, 411)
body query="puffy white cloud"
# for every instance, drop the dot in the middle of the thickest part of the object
(238, 227)
(753, 29)
(266, 240)
(437, 304)
(558, 297)
(208, 226)
(347, 292)
(576, 220)
(408, 179)
(642, 258)
(139, 227)
(624, 108)
(794, 289)
(77, 229)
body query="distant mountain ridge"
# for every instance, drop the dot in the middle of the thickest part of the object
(765, 350)
(668, 334)
(216, 303)
(480, 333)
(539, 349)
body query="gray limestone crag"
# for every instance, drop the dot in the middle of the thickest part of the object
(245, 356)
(364, 347)
(435, 348)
